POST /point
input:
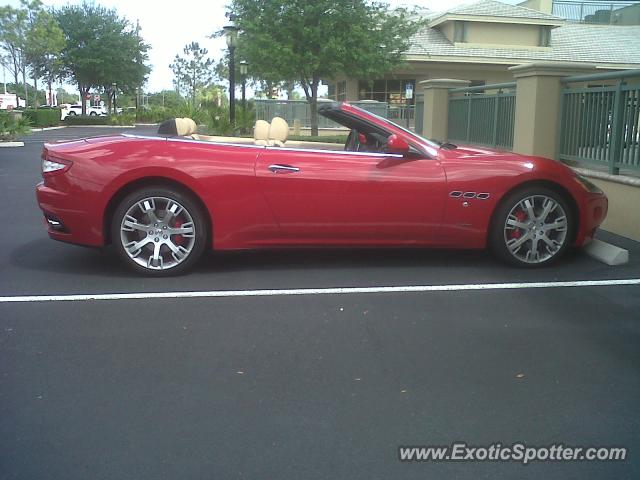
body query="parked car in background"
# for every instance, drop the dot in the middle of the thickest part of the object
(67, 110)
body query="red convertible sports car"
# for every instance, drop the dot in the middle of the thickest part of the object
(161, 201)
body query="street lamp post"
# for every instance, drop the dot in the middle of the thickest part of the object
(137, 101)
(244, 67)
(113, 89)
(231, 36)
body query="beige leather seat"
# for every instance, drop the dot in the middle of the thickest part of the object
(193, 125)
(278, 132)
(261, 133)
(185, 127)
(182, 127)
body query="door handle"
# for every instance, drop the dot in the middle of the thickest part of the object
(277, 168)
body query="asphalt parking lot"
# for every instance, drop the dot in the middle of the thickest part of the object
(303, 386)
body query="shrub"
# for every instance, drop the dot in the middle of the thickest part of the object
(199, 115)
(124, 119)
(245, 118)
(12, 127)
(153, 114)
(217, 121)
(43, 117)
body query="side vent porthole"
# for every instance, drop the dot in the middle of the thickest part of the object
(479, 196)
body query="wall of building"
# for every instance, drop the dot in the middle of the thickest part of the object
(447, 29)
(624, 216)
(462, 71)
(627, 16)
(503, 34)
(545, 6)
(424, 71)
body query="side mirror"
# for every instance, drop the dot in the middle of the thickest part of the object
(396, 144)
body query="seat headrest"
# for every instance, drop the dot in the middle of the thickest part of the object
(279, 130)
(178, 126)
(261, 130)
(192, 125)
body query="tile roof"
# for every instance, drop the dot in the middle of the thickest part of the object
(572, 42)
(493, 8)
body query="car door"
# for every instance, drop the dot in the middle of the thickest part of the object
(343, 197)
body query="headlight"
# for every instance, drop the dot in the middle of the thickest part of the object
(49, 166)
(587, 184)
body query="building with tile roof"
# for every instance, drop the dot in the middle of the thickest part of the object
(480, 41)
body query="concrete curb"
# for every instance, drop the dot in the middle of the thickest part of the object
(623, 179)
(44, 129)
(11, 144)
(101, 126)
(607, 253)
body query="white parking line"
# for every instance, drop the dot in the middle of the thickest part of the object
(315, 291)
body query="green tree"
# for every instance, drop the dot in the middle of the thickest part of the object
(169, 99)
(65, 97)
(101, 49)
(13, 28)
(44, 44)
(132, 69)
(38, 95)
(311, 40)
(192, 71)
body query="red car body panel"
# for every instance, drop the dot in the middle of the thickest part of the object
(336, 198)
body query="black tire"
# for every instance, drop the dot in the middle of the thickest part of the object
(72, 113)
(160, 193)
(501, 234)
(93, 114)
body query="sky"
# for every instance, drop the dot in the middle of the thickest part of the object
(169, 28)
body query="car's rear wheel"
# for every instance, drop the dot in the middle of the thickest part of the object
(532, 227)
(93, 114)
(159, 231)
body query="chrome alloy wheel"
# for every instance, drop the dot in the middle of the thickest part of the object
(535, 229)
(157, 233)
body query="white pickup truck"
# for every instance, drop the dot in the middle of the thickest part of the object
(77, 110)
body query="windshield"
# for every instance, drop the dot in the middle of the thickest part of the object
(432, 143)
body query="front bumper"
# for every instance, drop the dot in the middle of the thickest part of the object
(593, 212)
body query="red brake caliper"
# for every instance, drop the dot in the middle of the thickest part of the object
(178, 239)
(520, 216)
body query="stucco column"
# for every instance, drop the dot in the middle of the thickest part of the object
(352, 90)
(436, 106)
(537, 115)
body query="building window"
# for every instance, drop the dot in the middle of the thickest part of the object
(460, 32)
(392, 91)
(331, 90)
(341, 91)
(545, 36)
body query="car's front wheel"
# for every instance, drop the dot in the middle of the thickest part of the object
(532, 227)
(159, 231)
